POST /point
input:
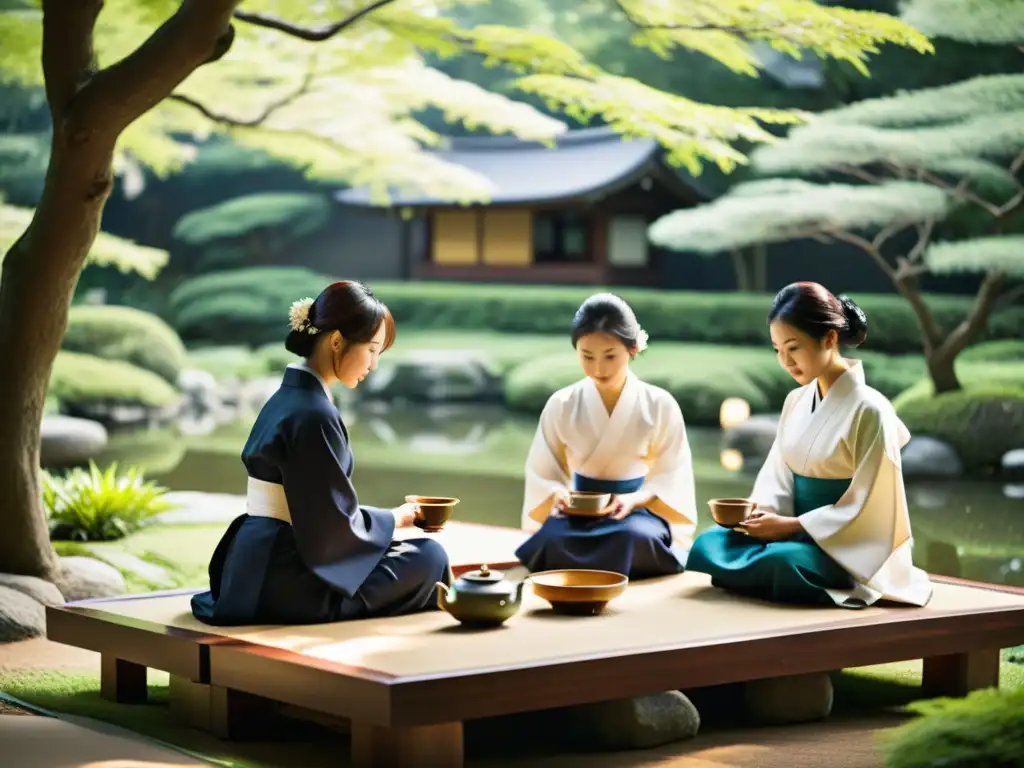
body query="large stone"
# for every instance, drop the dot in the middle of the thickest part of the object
(639, 723)
(40, 590)
(82, 578)
(21, 617)
(926, 456)
(791, 699)
(754, 437)
(1012, 464)
(65, 441)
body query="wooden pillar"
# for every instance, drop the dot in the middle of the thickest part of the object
(122, 681)
(960, 673)
(427, 746)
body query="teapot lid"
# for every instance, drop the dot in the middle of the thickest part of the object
(484, 576)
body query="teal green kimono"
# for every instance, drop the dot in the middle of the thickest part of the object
(791, 571)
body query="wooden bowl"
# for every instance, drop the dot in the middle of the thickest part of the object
(432, 512)
(587, 503)
(729, 513)
(578, 592)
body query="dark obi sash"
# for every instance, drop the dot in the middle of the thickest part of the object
(639, 546)
(796, 570)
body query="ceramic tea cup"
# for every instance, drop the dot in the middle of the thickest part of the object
(730, 512)
(432, 512)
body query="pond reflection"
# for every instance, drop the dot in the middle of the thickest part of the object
(966, 528)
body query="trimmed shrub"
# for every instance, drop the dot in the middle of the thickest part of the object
(981, 423)
(126, 334)
(79, 378)
(983, 730)
(1002, 351)
(244, 306)
(699, 377)
(250, 306)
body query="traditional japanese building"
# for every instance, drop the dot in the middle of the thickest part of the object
(577, 212)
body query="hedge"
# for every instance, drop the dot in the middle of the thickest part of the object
(78, 378)
(981, 423)
(126, 334)
(251, 305)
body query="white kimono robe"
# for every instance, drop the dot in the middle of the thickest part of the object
(644, 436)
(853, 432)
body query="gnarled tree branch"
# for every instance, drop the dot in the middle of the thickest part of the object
(198, 32)
(68, 56)
(976, 319)
(304, 33)
(262, 117)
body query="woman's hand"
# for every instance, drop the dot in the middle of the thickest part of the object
(769, 526)
(559, 501)
(405, 515)
(620, 507)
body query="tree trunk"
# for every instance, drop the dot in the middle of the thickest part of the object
(942, 370)
(37, 283)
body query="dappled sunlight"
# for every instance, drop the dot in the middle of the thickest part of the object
(359, 650)
(731, 460)
(733, 412)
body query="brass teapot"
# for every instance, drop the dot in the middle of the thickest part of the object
(482, 598)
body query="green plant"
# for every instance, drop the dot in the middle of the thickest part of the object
(79, 378)
(983, 730)
(95, 505)
(127, 334)
(981, 423)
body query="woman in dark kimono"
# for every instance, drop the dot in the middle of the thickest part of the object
(306, 551)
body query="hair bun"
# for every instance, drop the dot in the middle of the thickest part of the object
(856, 322)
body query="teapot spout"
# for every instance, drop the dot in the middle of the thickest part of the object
(444, 596)
(519, 591)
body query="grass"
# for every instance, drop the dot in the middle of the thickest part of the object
(183, 550)
(857, 692)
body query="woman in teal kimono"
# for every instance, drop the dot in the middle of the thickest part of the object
(831, 524)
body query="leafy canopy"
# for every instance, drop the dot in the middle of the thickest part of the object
(107, 250)
(778, 210)
(993, 22)
(365, 86)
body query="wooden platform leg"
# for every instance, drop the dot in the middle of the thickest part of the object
(960, 673)
(427, 746)
(122, 681)
(240, 716)
(190, 702)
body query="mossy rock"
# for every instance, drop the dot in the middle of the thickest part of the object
(981, 423)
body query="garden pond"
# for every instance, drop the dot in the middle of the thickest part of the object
(969, 528)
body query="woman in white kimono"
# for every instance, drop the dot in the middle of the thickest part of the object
(610, 433)
(831, 524)
(306, 551)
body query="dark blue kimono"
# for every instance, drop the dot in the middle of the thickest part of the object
(336, 559)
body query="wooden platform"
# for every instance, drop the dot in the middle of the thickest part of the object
(406, 684)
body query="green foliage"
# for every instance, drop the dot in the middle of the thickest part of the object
(983, 730)
(971, 21)
(79, 378)
(1004, 253)
(982, 422)
(821, 148)
(285, 215)
(95, 505)
(778, 210)
(237, 363)
(243, 306)
(377, 70)
(126, 334)
(964, 100)
(1004, 351)
(699, 377)
(106, 250)
(23, 159)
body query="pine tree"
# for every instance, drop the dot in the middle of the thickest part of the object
(259, 74)
(942, 162)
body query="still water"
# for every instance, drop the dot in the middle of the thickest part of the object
(966, 528)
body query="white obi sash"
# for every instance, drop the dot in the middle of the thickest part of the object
(263, 499)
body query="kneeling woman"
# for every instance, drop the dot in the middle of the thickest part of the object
(610, 433)
(307, 551)
(832, 524)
